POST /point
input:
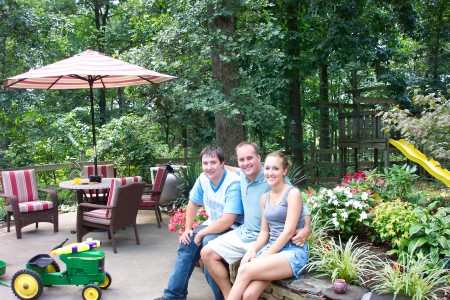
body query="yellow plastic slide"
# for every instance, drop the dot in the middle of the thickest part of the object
(432, 166)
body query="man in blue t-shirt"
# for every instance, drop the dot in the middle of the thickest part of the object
(233, 245)
(218, 190)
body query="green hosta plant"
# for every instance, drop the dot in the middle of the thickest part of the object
(431, 235)
(352, 262)
(413, 275)
(392, 222)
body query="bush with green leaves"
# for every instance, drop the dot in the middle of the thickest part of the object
(187, 177)
(348, 209)
(352, 262)
(392, 221)
(430, 130)
(414, 275)
(394, 182)
(431, 235)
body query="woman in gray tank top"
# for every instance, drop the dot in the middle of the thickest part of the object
(273, 256)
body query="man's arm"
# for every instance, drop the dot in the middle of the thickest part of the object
(231, 169)
(191, 213)
(224, 223)
(301, 235)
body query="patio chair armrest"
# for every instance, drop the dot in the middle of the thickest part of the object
(52, 194)
(10, 199)
(94, 206)
(154, 191)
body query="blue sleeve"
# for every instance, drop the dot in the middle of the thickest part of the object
(196, 194)
(233, 200)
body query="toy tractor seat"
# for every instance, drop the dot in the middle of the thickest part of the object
(41, 261)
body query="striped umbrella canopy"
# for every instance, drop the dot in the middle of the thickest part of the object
(86, 70)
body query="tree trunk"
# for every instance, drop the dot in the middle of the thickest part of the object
(296, 129)
(101, 18)
(324, 117)
(229, 131)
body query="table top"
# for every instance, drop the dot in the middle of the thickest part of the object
(105, 184)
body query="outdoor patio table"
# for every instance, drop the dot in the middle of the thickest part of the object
(89, 192)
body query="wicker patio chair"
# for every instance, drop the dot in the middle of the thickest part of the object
(152, 194)
(22, 201)
(120, 211)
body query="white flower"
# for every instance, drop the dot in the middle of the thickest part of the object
(344, 215)
(348, 194)
(336, 203)
(357, 204)
(364, 196)
(335, 222)
(315, 205)
(330, 193)
(338, 189)
(334, 215)
(362, 216)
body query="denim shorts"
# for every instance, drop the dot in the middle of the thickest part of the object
(297, 256)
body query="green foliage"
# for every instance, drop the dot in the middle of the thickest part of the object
(393, 182)
(295, 174)
(319, 234)
(429, 130)
(347, 209)
(352, 262)
(413, 275)
(392, 222)
(431, 234)
(187, 177)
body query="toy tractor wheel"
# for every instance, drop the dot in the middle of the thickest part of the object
(92, 292)
(53, 267)
(106, 283)
(27, 284)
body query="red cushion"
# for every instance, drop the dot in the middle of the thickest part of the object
(107, 171)
(21, 184)
(116, 182)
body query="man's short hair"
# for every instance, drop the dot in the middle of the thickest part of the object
(213, 151)
(252, 144)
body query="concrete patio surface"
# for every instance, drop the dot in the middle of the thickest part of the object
(137, 271)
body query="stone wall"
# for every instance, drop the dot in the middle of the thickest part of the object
(308, 287)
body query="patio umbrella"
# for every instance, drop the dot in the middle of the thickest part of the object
(86, 70)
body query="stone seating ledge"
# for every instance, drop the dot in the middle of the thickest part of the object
(310, 287)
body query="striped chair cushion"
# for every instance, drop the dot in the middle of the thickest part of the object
(31, 206)
(107, 171)
(97, 216)
(147, 201)
(116, 182)
(156, 186)
(21, 184)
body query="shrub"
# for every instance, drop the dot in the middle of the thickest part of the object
(431, 235)
(394, 182)
(352, 262)
(392, 221)
(187, 177)
(348, 209)
(414, 275)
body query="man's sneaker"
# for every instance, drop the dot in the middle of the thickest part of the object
(161, 298)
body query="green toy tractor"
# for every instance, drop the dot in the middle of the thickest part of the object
(85, 266)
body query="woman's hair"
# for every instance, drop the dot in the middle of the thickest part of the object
(213, 151)
(284, 160)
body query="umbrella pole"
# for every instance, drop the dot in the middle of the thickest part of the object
(94, 140)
